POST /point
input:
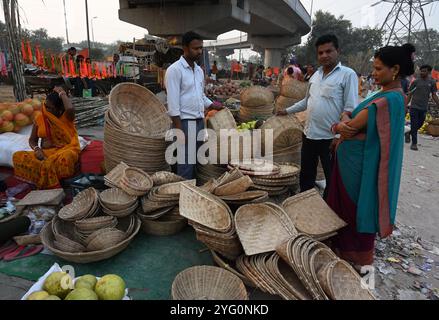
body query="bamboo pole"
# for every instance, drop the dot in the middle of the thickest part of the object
(9, 7)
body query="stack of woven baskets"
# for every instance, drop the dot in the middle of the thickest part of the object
(207, 172)
(276, 182)
(212, 220)
(257, 103)
(135, 128)
(160, 214)
(283, 255)
(233, 188)
(286, 142)
(82, 233)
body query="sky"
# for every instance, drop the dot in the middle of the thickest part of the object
(107, 27)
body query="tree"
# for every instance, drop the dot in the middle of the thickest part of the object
(357, 44)
(423, 55)
(10, 13)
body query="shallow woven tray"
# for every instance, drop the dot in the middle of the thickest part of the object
(153, 215)
(112, 179)
(116, 199)
(121, 213)
(137, 179)
(46, 197)
(167, 225)
(255, 166)
(208, 283)
(222, 120)
(106, 238)
(173, 189)
(234, 187)
(311, 215)
(83, 206)
(245, 196)
(96, 223)
(342, 282)
(165, 177)
(204, 208)
(259, 229)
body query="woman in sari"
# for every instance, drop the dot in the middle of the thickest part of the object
(368, 160)
(57, 155)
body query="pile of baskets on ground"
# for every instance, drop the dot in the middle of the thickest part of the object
(135, 128)
(274, 248)
(93, 227)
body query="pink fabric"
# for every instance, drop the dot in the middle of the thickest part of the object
(3, 66)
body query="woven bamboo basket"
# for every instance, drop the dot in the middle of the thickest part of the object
(204, 208)
(256, 96)
(106, 238)
(222, 120)
(433, 129)
(169, 224)
(121, 213)
(84, 205)
(245, 196)
(137, 110)
(153, 215)
(93, 224)
(311, 215)
(47, 238)
(116, 199)
(165, 177)
(237, 186)
(137, 179)
(208, 283)
(173, 189)
(282, 103)
(259, 229)
(292, 88)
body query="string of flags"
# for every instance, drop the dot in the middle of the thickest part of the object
(63, 64)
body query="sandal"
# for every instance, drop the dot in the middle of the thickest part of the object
(8, 247)
(23, 252)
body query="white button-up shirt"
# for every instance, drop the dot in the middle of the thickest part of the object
(327, 98)
(185, 91)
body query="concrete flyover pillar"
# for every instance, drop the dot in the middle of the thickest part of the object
(273, 57)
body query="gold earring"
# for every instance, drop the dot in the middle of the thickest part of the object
(394, 77)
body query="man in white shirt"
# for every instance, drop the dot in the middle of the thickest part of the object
(187, 102)
(333, 91)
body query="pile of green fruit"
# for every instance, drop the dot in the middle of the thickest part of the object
(59, 286)
(256, 124)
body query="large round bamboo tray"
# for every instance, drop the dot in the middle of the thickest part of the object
(137, 110)
(208, 283)
(47, 239)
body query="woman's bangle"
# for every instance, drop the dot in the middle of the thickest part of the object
(334, 128)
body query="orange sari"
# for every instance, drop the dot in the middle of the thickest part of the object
(60, 162)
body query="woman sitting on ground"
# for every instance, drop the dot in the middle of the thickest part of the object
(58, 155)
(367, 168)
